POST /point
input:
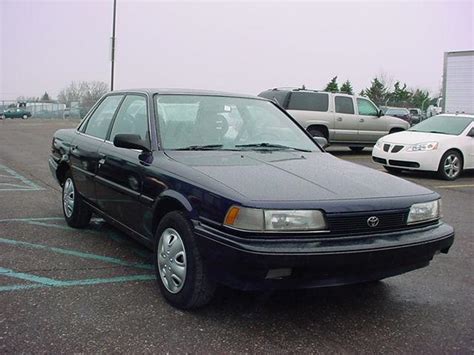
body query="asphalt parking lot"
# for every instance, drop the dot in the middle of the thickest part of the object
(93, 290)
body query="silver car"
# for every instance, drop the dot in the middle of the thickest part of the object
(343, 119)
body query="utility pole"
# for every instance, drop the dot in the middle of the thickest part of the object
(113, 48)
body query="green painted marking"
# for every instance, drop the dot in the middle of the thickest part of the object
(79, 254)
(47, 282)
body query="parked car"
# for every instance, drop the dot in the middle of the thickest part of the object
(416, 115)
(264, 208)
(443, 143)
(15, 113)
(349, 120)
(399, 112)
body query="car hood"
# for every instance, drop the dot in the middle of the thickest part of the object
(412, 137)
(293, 176)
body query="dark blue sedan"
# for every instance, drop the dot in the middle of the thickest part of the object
(230, 189)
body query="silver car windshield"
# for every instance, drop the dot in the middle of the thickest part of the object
(193, 122)
(453, 125)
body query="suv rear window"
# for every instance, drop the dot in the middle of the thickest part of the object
(308, 101)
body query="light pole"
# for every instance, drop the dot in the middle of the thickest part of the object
(113, 48)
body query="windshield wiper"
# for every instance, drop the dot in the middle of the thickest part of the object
(269, 145)
(201, 147)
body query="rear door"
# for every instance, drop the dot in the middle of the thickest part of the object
(120, 171)
(371, 126)
(84, 155)
(346, 121)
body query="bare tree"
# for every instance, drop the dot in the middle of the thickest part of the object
(86, 93)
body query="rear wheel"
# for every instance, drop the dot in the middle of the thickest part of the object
(356, 149)
(76, 212)
(450, 165)
(180, 271)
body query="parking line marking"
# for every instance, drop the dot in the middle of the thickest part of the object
(31, 219)
(48, 282)
(79, 254)
(454, 186)
(26, 184)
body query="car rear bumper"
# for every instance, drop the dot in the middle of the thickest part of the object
(269, 264)
(53, 167)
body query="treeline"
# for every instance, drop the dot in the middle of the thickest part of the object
(383, 95)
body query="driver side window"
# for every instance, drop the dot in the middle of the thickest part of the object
(366, 108)
(132, 118)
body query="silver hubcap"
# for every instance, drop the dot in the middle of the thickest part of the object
(172, 260)
(68, 197)
(452, 166)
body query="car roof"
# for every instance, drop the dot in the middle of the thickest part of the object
(464, 115)
(296, 89)
(173, 91)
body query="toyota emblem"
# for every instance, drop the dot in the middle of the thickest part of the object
(373, 221)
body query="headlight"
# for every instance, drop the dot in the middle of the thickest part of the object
(275, 220)
(426, 211)
(422, 147)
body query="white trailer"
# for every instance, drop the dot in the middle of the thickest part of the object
(458, 82)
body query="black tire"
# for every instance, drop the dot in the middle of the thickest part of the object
(454, 159)
(392, 170)
(357, 149)
(80, 214)
(316, 133)
(197, 289)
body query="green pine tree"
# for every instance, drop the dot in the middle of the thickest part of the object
(377, 92)
(347, 88)
(332, 86)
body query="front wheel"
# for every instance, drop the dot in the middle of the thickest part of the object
(76, 213)
(450, 165)
(180, 271)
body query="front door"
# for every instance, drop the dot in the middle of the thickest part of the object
(84, 151)
(120, 171)
(371, 126)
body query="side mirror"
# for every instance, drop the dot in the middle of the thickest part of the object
(323, 142)
(471, 133)
(131, 141)
(380, 113)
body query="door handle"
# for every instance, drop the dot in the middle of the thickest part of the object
(361, 120)
(339, 119)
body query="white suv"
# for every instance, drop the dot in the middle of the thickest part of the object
(343, 119)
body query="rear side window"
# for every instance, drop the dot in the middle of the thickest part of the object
(276, 95)
(98, 124)
(344, 104)
(308, 101)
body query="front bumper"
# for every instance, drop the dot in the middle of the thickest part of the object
(426, 161)
(257, 263)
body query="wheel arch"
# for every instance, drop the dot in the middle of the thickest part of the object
(320, 127)
(61, 171)
(457, 150)
(167, 202)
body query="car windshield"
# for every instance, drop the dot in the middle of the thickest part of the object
(192, 122)
(453, 125)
